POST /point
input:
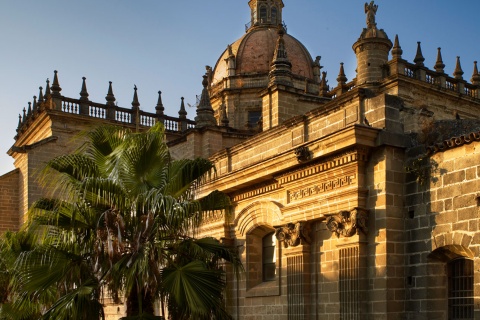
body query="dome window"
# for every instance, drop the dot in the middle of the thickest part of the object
(274, 15)
(263, 14)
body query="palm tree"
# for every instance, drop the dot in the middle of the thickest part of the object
(125, 221)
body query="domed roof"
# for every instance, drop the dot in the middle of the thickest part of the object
(254, 54)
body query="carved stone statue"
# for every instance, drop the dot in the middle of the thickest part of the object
(371, 11)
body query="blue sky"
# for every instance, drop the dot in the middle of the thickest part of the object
(165, 45)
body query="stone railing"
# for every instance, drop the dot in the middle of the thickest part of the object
(113, 113)
(438, 79)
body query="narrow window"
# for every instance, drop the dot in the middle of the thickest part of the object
(263, 14)
(460, 289)
(254, 117)
(268, 257)
(274, 15)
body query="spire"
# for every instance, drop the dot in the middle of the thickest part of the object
(182, 113)
(475, 76)
(204, 110)
(55, 85)
(159, 107)
(110, 98)
(341, 79)
(135, 103)
(281, 68)
(280, 56)
(439, 65)
(40, 95)
(458, 73)
(83, 93)
(419, 59)
(397, 50)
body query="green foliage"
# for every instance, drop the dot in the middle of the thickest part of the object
(123, 222)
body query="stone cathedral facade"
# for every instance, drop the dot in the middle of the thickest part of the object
(353, 201)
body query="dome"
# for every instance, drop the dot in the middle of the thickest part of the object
(254, 54)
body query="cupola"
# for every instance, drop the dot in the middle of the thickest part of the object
(265, 12)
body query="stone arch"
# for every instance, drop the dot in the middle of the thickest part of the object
(257, 214)
(449, 246)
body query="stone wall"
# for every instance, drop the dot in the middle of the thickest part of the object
(442, 225)
(9, 199)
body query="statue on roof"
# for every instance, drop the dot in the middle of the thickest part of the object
(371, 11)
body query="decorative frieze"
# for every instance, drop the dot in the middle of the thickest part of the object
(256, 192)
(293, 234)
(295, 195)
(348, 223)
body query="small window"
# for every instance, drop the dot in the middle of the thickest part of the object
(274, 15)
(269, 258)
(263, 14)
(254, 117)
(460, 289)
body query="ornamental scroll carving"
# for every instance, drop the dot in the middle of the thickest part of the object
(293, 234)
(348, 223)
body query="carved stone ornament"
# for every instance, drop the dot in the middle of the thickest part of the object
(348, 223)
(303, 154)
(293, 234)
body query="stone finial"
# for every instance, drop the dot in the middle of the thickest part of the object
(19, 122)
(110, 97)
(341, 79)
(34, 106)
(135, 103)
(24, 118)
(371, 11)
(458, 73)
(324, 88)
(397, 50)
(419, 59)
(293, 234)
(159, 109)
(182, 113)
(29, 111)
(439, 65)
(348, 223)
(475, 76)
(55, 84)
(205, 112)
(83, 93)
(48, 92)
(40, 95)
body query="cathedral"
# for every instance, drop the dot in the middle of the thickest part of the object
(358, 200)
